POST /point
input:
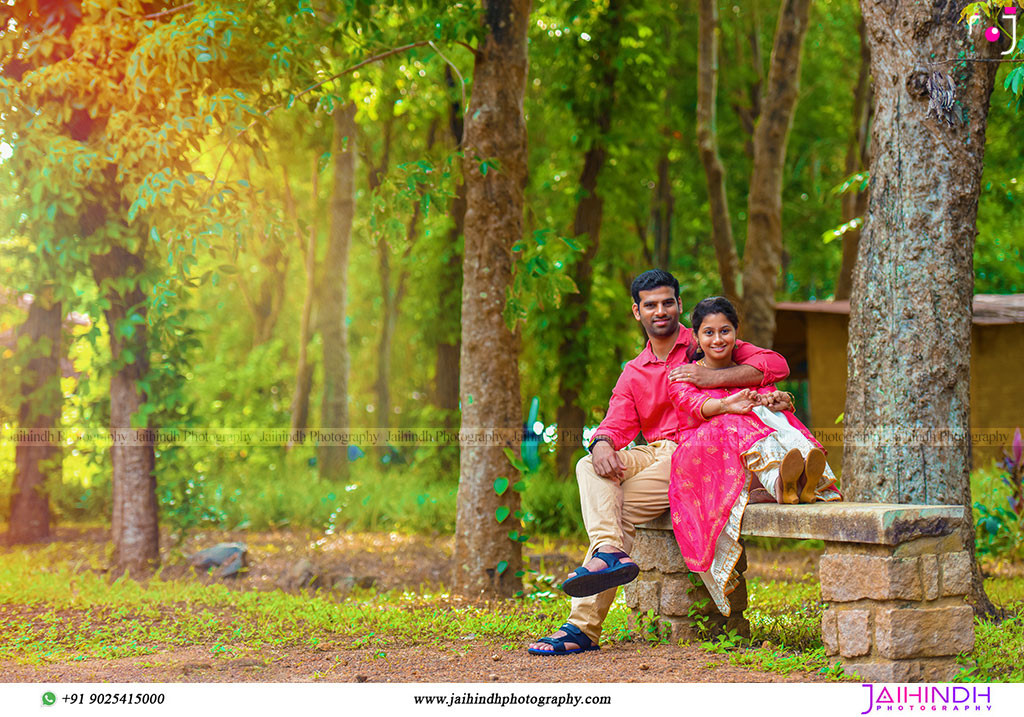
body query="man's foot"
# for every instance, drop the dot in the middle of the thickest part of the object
(608, 568)
(566, 639)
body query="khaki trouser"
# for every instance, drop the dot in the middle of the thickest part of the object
(612, 508)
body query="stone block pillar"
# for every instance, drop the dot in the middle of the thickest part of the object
(680, 603)
(897, 613)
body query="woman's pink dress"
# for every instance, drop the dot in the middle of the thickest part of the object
(709, 480)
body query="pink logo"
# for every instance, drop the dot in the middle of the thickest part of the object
(993, 33)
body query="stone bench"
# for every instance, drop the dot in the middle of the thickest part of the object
(894, 578)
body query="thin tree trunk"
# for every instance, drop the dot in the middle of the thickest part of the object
(762, 255)
(911, 305)
(855, 202)
(446, 369)
(753, 91)
(707, 143)
(487, 561)
(571, 322)
(333, 460)
(662, 211)
(134, 523)
(304, 367)
(40, 458)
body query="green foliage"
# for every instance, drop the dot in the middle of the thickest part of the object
(999, 507)
(785, 614)
(75, 613)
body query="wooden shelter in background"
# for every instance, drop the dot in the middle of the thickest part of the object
(813, 336)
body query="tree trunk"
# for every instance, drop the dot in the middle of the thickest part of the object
(450, 281)
(662, 210)
(487, 561)
(707, 143)
(304, 367)
(382, 386)
(446, 368)
(333, 460)
(134, 525)
(855, 202)
(907, 398)
(39, 416)
(571, 320)
(762, 255)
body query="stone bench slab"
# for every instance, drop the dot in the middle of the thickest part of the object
(842, 522)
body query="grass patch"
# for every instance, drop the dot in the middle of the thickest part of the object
(59, 611)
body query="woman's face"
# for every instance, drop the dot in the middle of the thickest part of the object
(717, 337)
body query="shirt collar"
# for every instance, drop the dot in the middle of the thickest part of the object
(647, 355)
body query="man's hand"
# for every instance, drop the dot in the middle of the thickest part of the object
(607, 462)
(777, 401)
(699, 376)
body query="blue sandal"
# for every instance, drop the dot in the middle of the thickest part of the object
(572, 634)
(585, 583)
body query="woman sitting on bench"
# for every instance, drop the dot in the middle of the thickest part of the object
(733, 450)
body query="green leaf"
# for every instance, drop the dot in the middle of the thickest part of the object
(500, 486)
(227, 269)
(572, 243)
(516, 462)
(519, 486)
(204, 57)
(501, 513)
(502, 567)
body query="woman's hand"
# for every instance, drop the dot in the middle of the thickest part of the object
(742, 401)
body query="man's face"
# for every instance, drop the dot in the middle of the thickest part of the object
(658, 312)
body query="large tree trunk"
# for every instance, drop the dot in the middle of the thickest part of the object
(134, 525)
(855, 202)
(39, 416)
(487, 561)
(333, 459)
(446, 369)
(571, 320)
(762, 255)
(907, 398)
(707, 143)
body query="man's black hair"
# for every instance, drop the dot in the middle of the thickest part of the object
(653, 279)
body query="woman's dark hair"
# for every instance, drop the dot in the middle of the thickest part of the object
(652, 280)
(708, 307)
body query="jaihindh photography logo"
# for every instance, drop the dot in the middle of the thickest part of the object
(928, 698)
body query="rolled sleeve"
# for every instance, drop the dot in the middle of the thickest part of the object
(622, 422)
(773, 366)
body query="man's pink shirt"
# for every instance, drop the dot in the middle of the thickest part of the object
(640, 402)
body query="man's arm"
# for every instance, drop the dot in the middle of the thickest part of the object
(772, 366)
(621, 423)
(758, 367)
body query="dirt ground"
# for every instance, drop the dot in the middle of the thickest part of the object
(391, 561)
